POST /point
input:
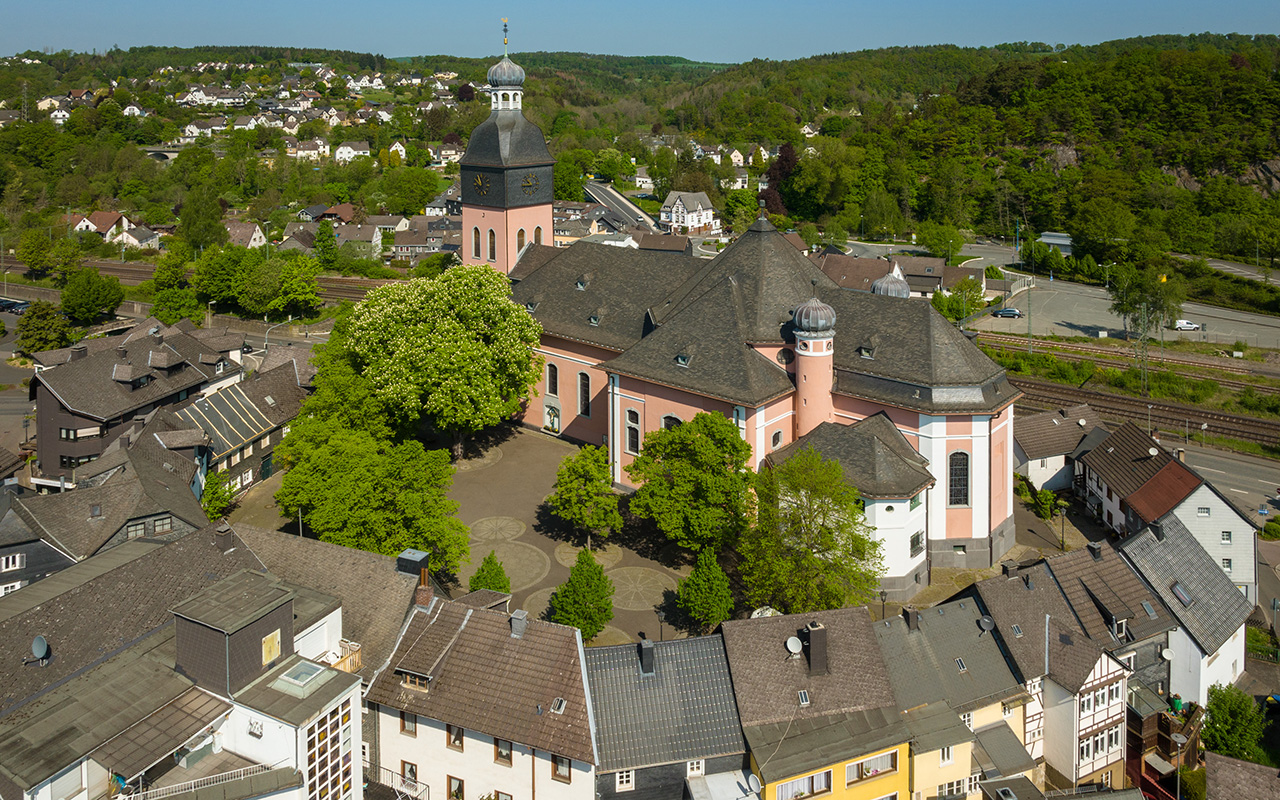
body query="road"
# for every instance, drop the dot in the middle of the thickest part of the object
(1236, 268)
(616, 202)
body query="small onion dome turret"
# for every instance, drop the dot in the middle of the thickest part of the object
(506, 73)
(892, 284)
(815, 316)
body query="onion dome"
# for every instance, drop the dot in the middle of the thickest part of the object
(893, 284)
(815, 316)
(506, 73)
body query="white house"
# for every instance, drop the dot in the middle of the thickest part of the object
(397, 147)
(690, 212)
(349, 151)
(1044, 444)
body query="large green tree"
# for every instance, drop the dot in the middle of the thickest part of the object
(942, 241)
(325, 249)
(585, 601)
(694, 482)
(583, 494)
(42, 327)
(1233, 723)
(455, 350)
(33, 251)
(200, 223)
(810, 548)
(89, 295)
(705, 595)
(490, 575)
(370, 494)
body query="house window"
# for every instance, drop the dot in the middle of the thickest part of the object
(561, 768)
(218, 368)
(135, 529)
(810, 784)
(1006, 710)
(413, 681)
(871, 767)
(624, 780)
(520, 239)
(453, 737)
(456, 790)
(553, 380)
(1226, 537)
(502, 752)
(958, 475)
(584, 394)
(408, 723)
(1086, 703)
(502, 796)
(777, 439)
(270, 647)
(537, 235)
(1202, 511)
(67, 434)
(633, 431)
(493, 245)
(475, 242)
(952, 789)
(409, 772)
(1127, 659)
(946, 755)
(1181, 593)
(164, 524)
(1086, 749)
(967, 719)
(695, 768)
(1113, 693)
(1226, 565)
(670, 421)
(13, 561)
(1044, 462)
(917, 543)
(68, 784)
(10, 588)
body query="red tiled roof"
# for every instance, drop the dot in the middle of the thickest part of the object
(1168, 487)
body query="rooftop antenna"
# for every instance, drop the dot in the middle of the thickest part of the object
(504, 36)
(39, 652)
(986, 624)
(794, 646)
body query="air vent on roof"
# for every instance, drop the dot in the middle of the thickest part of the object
(558, 705)
(594, 320)
(168, 467)
(804, 698)
(269, 400)
(1147, 607)
(960, 664)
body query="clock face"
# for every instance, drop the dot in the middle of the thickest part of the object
(529, 184)
(482, 185)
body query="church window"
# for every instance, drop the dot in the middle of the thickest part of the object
(958, 479)
(777, 439)
(520, 239)
(633, 431)
(671, 421)
(584, 394)
(475, 243)
(537, 235)
(553, 380)
(493, 245)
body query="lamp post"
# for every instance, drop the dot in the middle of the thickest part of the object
(883, 596)
(662, 618)
(266, 340)
(1179, 740)
(1148, 419)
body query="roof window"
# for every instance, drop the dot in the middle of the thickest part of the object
(1017, 631)
(682, 360)
(594, 320)
(1181, 593)
(580, 284)
(960, 664)
(531, 307)
(1147, 607)
(804, 698)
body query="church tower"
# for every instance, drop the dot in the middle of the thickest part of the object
(507, 177)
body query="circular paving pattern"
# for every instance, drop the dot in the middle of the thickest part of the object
(524, 564)
(639, 588)
(537, 602)
(607, 556)
(610, 635)
(494, 529)
(487, 459)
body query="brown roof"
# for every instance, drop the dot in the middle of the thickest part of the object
(1239, 780)
(344, 211)
(1021, 598)
(1098, 584)
(794, 239)
(485, 679)
(853, 273)
(241, 233)
(1124, 461)
(1055, 433)
(919, 265)
(1160, 495)
(654, 241)
(766, 679)
(102, 221)
(953, 275)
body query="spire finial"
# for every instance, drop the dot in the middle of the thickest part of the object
(504, 36)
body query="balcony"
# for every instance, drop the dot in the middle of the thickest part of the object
(235, 777)
(348, 657)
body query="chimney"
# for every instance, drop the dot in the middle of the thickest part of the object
(1182, 454)
(913, 618)
(423, 593)
(1009, 569)
(120, 351)
(224, 538)
(78, 352)
(646, 657)
(519, 621)
(817, 648)
(1095, 550)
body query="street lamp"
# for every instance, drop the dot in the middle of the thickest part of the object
(266, 340)
(1179, 740)
(883, 596)
(662, 618)
(1148, 419)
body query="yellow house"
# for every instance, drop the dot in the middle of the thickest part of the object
(844, 757)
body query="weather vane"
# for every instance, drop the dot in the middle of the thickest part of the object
(504, 36)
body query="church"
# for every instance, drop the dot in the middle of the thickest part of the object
(636, 340)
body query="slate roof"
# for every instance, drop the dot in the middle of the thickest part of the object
(486, 680)
(531, 258)
(1098, 589)
(80, 635)
(1055, 433)
(810, 743)
(671, 244)
(875, 456)
(766, 680)
(375, 598)
(1217, 609)
(684, 711)
(506, 139)
(1239, 780)
(1011, 601)
(88, 388)
(1123, 459)
(922, 663)
(691, 200)
(240, 233)
(231, 604)
(853, 273)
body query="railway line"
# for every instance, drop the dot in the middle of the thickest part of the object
(1063, 348)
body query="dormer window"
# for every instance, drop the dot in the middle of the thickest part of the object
(1121, 629)
(218, 368)
(594, 320)
(580, 284)
(682, 360)
(531, 307)
(866, 352)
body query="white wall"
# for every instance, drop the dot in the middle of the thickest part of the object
(895, 529)
(1191, 672)
(279, 742)
(1061, 727)
(1046, 473)
(528, 776)
(1208, 531)
(320, 638)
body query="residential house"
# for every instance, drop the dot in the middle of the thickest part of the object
(365, 240)
(343, 212)
(59, 116)
(688, 212)
(1057, 241)
(735, 158)
(398, 148)
(817, 709)
(388, 223)
(476, 702)
(854, 273)
(739, 180)
(643, 181)
(963, 701)
(312, 213)
(1045, 443)
(665, 719)
(107, 224)
(349, 151)
(1131, 481)
(416, 242)
(244, 234)
(139, 237)
(85, 403)
(810, 130)
(25, 557)
(1208, 644)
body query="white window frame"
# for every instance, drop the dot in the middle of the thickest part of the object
(946, 755)
(1226, 565)
(1226, 537)
(1086, 703)
(1203, 511)
(10, 588)
(695, 768)
(624, 780)
(13, 561)
(967, 719)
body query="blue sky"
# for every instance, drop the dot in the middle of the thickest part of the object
(709, 30)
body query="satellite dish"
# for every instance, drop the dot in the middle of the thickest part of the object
(986, 623)
(1166, 654)
(1153, 452)
(40, 648)
(1083, 423)
(754, 783)
(794, 645)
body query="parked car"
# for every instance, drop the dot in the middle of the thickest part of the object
(1186, 325)
(6, 304)
(1008, 313)
(20, 307)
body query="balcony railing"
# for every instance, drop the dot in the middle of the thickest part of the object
(349, 656)
(201, 783)
(405, 788)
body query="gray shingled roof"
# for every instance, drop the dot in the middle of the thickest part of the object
(804, 745)
(1239, 780)
(1217, 609)
(506, 139)
(875, 456)
(1098, 589)
(1055, 433)
(1124, 461)
(684, 711)
(1022, 599)
(922, 663)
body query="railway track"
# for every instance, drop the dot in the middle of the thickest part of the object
(1162, 415)
(1012, 342)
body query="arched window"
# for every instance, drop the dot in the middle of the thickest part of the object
(633, 431)
(669, 422)
(553, 380)
(506, 98)
(475, 243)
(584, 394)
(777, 439)
(493, 245)
(537, 235)
(520, 239)
(958, 479)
